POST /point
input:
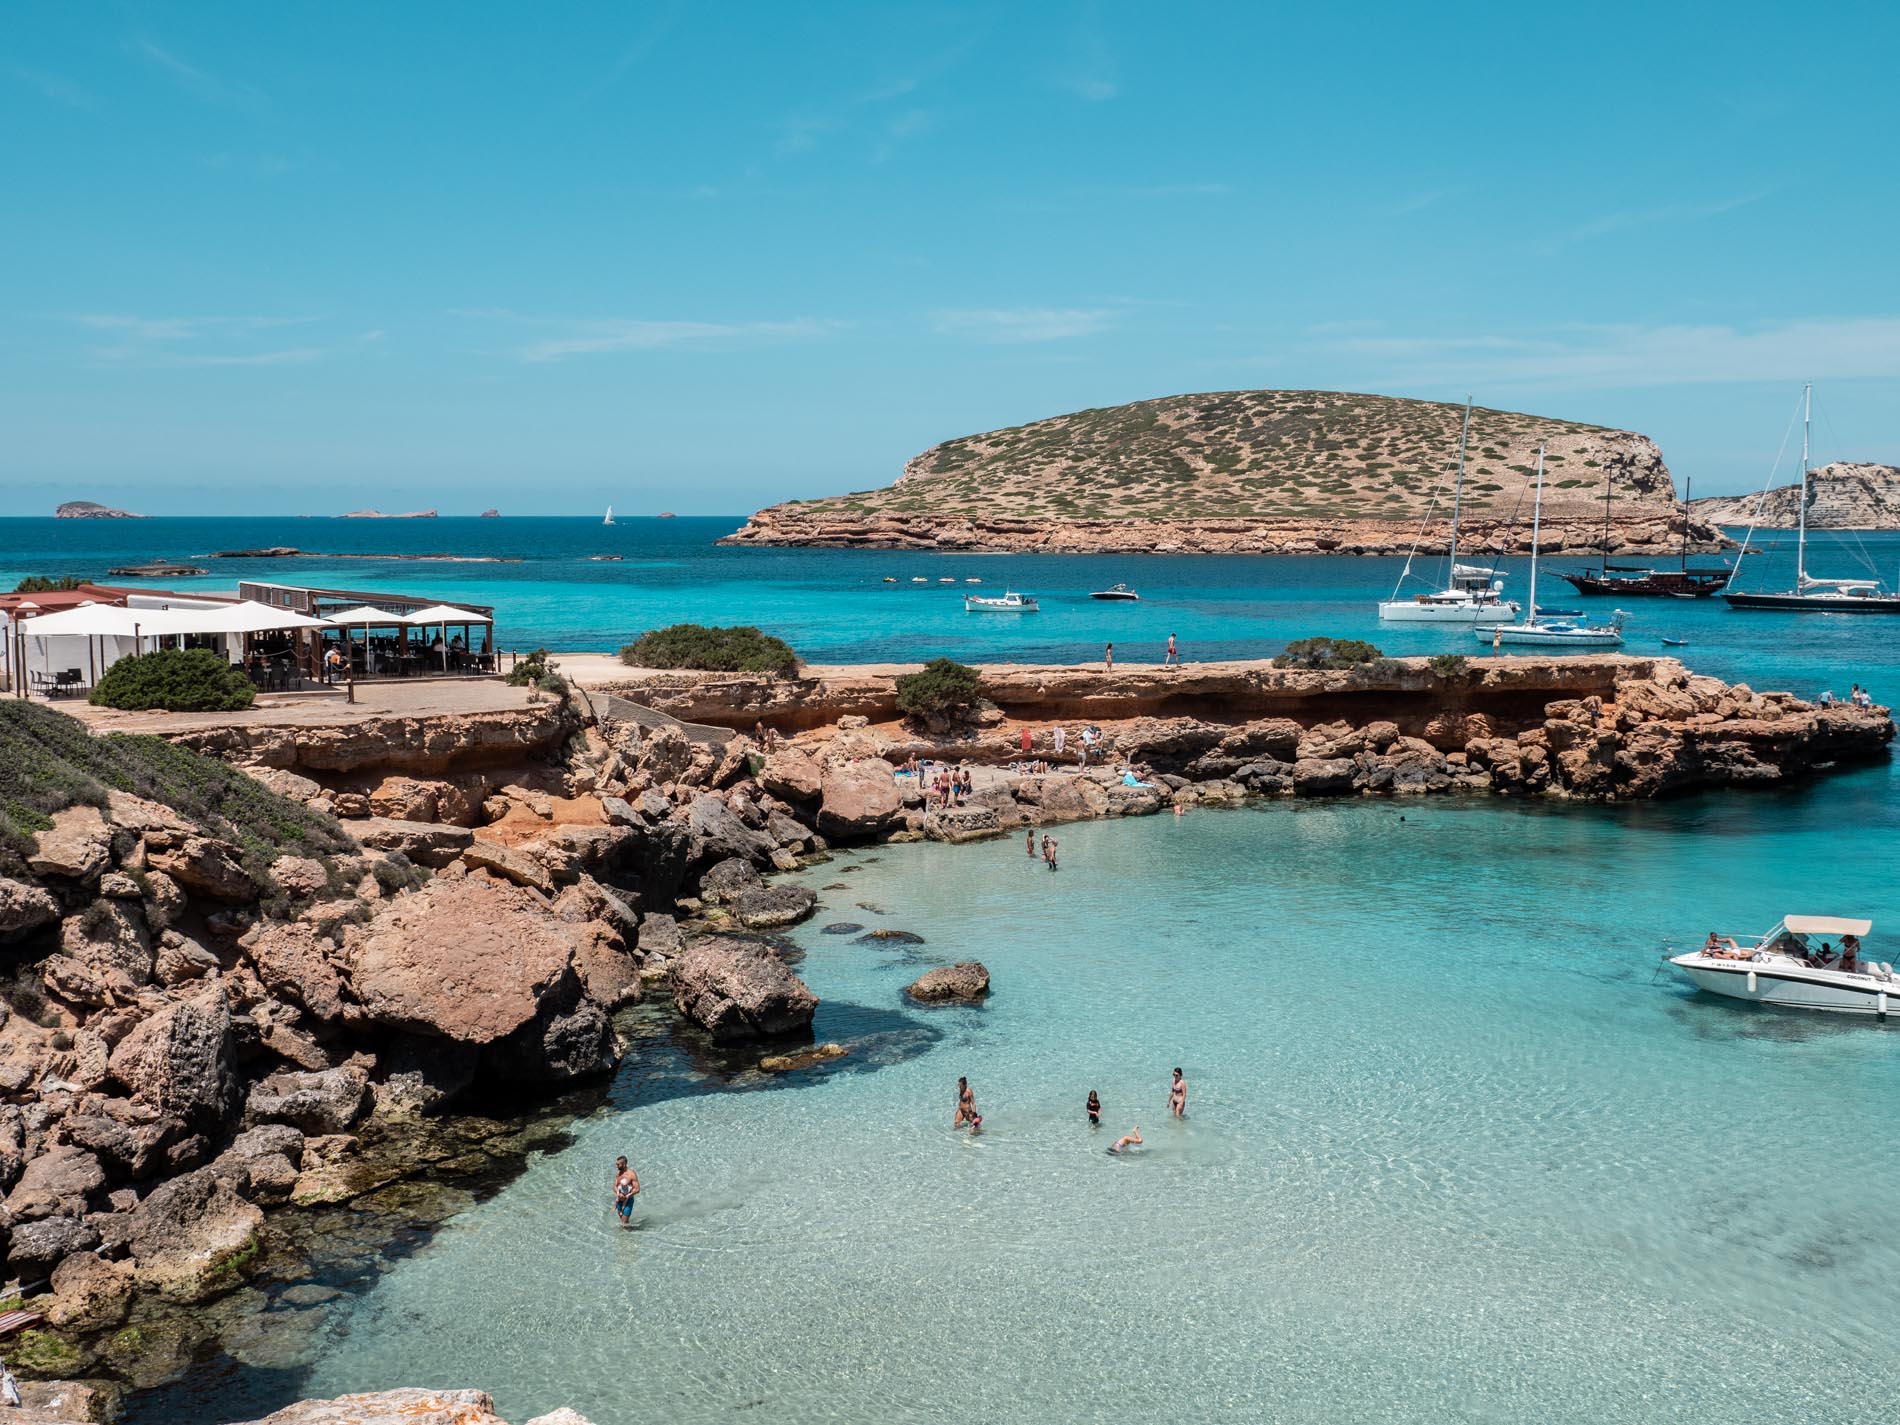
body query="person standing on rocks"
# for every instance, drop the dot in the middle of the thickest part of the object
(1174, 657)
(1177, 1096)
(1061, 738)
(626, 1189)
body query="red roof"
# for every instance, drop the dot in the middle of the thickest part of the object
(58, 600)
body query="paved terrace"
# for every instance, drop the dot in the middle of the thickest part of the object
(436, 697)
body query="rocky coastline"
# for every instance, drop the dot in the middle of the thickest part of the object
(206, 1046)
(1845, 495)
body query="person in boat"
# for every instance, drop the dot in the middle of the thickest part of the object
(1723, 947)
(1824, 957)
(1850, 954)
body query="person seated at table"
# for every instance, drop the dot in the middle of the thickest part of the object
(1723, 947)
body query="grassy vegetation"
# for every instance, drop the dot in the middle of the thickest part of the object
(48, 762)
(739, 649)
(177, 680)
(944, 689)
(1327, 653)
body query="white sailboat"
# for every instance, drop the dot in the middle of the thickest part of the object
(610, 515)
(1473, 596)
(1538, 631)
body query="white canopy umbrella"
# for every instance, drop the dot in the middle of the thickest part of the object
(363, 616)
(246, 616)
(447, 613)
(105, 621)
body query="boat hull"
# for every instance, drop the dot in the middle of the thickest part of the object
(1812, 604)
(1534, 638)
(1664, 584)
(1467, 615)
(1829, 993)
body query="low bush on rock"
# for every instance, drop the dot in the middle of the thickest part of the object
(174, 680)
(1327, 653)
(535, 671)
(943, 691)
(739, 649)
(1449, 665)
(48, 761)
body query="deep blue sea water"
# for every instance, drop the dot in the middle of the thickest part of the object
(1457, 1149)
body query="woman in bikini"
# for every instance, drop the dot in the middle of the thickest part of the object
(966, 1107)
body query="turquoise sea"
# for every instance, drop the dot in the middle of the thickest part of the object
(1457, 1149)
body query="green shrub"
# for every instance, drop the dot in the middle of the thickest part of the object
(48, 584)
(740, 649)
(1449, 665)
(48, 761)
(1327, 653)
(177, 680)
(944, 690)
(535, 671)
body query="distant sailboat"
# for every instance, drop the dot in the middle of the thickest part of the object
(610, 515)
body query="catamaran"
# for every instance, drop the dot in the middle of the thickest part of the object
(1811, 595)
(1472, 595)
(1805, 962)
(1541, 630)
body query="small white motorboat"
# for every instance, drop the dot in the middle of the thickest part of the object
(1009, 603)
(1117, 593)
(973, 581)
(1805, 962)
(919, 579)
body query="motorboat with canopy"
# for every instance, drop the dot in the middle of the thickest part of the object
(1805, 962)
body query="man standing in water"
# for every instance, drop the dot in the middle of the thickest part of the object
(1177, 1096)
(626, 1189)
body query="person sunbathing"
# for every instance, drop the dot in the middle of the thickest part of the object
(1723, 947)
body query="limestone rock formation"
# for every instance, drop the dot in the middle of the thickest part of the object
(91, 510)
(1841, 496)
(966, 980)
(738, 989)
(858, 799)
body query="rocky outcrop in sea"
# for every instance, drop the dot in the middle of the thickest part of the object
(1841, 496)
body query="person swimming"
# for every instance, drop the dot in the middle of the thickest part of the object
(1130, 1139)
(626, 1189)
(1094, 1110)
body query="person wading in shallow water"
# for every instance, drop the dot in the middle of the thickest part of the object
(1130, 1139)
(1094, 1110)
(1177, 1096)
(1029, 841)
(966, 1107)
(626, 1189)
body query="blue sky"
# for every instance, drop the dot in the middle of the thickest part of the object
(302, 257)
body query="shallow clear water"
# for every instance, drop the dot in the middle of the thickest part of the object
(1455, 1150)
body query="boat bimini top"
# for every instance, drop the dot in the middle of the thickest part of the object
(1805, 925)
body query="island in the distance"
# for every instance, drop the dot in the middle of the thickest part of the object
(1845, 496)
(1260, 472)
(90, 510)
(379, 515)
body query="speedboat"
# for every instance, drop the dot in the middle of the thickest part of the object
(1805, 962)
(919, 579)
(1009, 603)
(1119, 592)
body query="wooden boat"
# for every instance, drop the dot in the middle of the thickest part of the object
(1641, 581)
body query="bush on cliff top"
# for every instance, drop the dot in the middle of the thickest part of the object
(740, 649)
(535, 671)
(176, 680)
(943, 690)
(48, 762)
(1327, 653)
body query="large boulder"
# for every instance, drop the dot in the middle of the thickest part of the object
(468, 958)
(24, 907)
(718, 834)
(88, 1292)
(179, 1061)
(966, 980)
(858, 799)
(78, 845)
(322, 1101)
(727, 880)
(791, 774)
(739, 989)
(188, 1233)
(390, 1407)
(109, 938)
(1323, 776)
(39, 1246)
(297, 962)
(426, 843)
(58, 1182)
(203, 864)
(509, 864)
(773, 907)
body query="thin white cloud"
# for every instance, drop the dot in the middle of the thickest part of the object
(156, 329)
(1605, 224)
(56, 88)
(292, 356)
(191, 78)
(1023, 324)
(605, 336)
(179, 341)
(1611, 357)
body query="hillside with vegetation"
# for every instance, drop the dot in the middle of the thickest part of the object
(1260, 471)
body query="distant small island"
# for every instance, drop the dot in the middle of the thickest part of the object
(667, 515)
(286, 551)
(90, 510)
(491, 514)
(379, 515)
(1845, 496)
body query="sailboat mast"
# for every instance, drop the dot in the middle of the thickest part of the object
(1688, 486)
(1458, 491)
(1537, 526)
(1801, 540)
(1608, 475)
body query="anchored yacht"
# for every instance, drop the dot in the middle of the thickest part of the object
(1473, 596)
(1805, 962)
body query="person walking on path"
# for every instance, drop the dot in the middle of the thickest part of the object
(1177, 1096)
(1174, 656)
(1108, 658)
(626, 1189)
